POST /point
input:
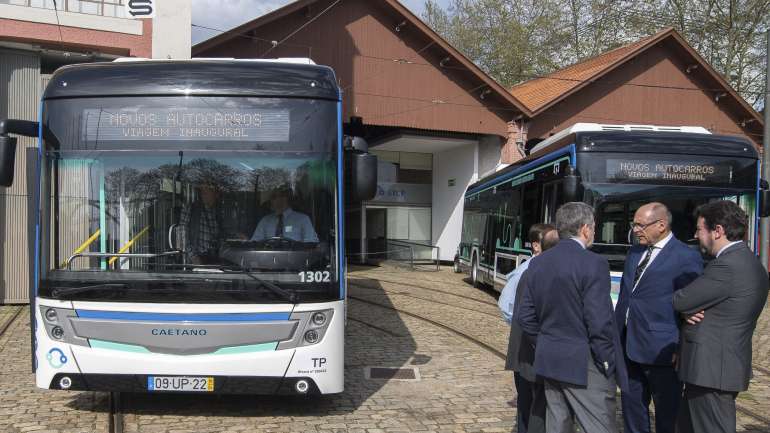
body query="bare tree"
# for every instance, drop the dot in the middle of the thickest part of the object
(514, 41)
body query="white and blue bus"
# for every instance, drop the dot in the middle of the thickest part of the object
(188, 226)
(615, 169)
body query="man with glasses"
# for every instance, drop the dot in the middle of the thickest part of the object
(648, 325)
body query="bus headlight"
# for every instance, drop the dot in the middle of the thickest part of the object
(57, 332)
(50, 315)
(301, 386)
(319, 319)
(311, 336)
(65, 382)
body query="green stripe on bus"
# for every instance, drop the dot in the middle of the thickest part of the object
(264, 347)
(513, 180)
(101, 344)
(110, 345)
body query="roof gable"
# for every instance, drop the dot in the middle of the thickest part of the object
(542, 93)
(539, 93)
(410, 18)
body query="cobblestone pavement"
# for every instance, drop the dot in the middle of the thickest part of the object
(462, 386)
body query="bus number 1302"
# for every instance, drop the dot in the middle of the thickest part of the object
(314, 277)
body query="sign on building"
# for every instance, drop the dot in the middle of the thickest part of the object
(140, 8)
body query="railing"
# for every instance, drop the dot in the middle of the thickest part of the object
(412, 255)
(403, 256)
(421, 254)
(106, 8)
(127, 255)
(518, 257)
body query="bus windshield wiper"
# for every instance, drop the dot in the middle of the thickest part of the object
(63, 291)
(289, 296)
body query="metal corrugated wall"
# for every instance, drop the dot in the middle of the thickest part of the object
(19, 97)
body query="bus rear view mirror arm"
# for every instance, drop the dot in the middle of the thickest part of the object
(8, 145)
(764, 198)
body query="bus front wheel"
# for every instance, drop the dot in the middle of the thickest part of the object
(456, 265)
(475, 272)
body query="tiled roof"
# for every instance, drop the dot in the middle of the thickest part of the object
(539, 92)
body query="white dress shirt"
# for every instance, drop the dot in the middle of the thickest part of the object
(721, 250)
(655, 251)
(296, 226)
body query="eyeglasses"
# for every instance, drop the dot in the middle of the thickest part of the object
(637, 226)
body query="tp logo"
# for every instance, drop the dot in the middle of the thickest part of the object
(56, 358)
(140, 8)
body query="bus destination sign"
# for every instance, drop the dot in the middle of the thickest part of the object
(198, 124)
(643, 170)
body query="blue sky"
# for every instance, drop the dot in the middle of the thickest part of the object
(226, 14)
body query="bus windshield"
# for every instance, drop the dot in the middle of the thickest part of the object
(616, 204)
(189, 199)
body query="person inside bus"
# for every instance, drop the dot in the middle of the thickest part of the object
(201, 226)
(530, 394)
(284, 222)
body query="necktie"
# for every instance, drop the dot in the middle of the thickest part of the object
(279, 227)
(643, 264)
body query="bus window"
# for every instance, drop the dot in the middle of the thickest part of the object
(529, 211)
(615, 214)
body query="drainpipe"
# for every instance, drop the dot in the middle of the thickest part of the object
(764, 226)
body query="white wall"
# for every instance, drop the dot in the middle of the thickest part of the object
(489, 154)
(171, 29)
(459, 164)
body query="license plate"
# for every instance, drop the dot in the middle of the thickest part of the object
(180, 383)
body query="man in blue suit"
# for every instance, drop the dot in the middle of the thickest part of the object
(566, 308)
(649, 328)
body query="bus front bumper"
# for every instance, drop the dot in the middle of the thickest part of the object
(268, 385)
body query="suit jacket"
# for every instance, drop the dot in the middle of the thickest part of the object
(566, 307)
(521, 351)
(652, 331)
(716, 353)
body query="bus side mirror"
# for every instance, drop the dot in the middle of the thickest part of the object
(27, 128)
(363, 176)
(361, 169)
(764, 199)
(572, 185)
(7, 159)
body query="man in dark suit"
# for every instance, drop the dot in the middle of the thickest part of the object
(648, 324)
(530, 394)
(566, 307)
(715, 352)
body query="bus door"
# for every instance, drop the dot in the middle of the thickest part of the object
(553, 197)
(487, 247)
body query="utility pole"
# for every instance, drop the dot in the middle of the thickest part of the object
(764, 227)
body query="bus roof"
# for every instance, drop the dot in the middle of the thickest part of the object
(596, 127)
(294, 60)
(196, 77)
(631, 141)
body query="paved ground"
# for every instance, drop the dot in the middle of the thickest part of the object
(462, 386)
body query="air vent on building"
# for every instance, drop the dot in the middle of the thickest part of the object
(391, 373)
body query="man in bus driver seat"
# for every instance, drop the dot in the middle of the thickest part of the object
(284, 222)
